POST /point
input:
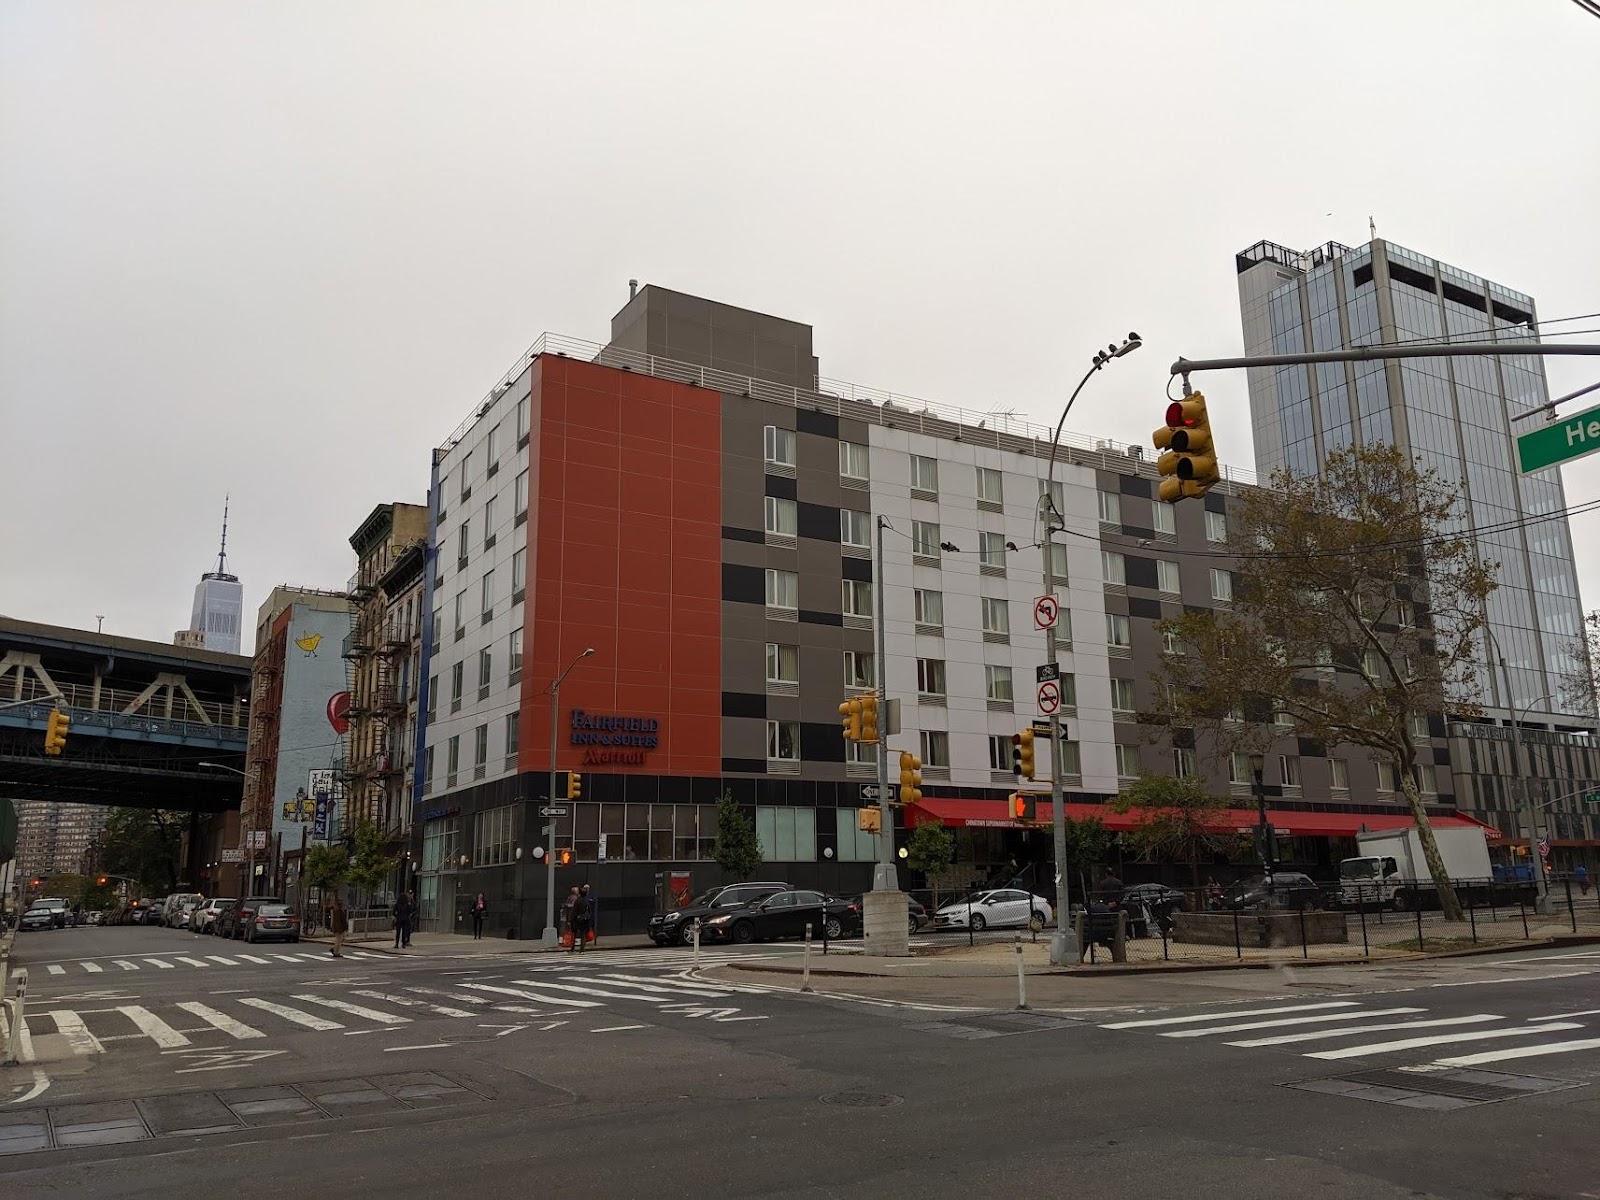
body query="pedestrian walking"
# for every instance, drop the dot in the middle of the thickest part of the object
(405, 909)
(582, 918)
(568, 907)
(479, 907)
(1581, 874)
(338, 923)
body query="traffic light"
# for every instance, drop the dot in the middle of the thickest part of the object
(101, 880)
(1024, 807)
(564, 857)
(1024, 751)
(910, 777)
(850, 718)
(55, 734)
(1188, 466)
(574, 785)
(869, 716)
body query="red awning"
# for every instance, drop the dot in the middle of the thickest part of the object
(1288, 822)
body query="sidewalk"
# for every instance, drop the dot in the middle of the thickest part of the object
(464, 945)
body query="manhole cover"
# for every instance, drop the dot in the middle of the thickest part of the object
(861, 1099)
(1434, 1089)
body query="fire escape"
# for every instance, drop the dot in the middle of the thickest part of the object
(376, 708)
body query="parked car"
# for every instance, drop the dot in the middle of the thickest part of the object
(784, 915)
(1001, 908)
(1150, 907)
(1289, 889)
(268, 921)
(153, 913)
(230, 922)
(41, 914)
(917, 914)
(677, 924)
(204, 918)
(60, 911)
(175, 912)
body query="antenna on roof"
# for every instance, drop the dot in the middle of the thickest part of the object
(222, 554)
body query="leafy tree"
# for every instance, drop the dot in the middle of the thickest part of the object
(1089, 843)
(737, 850)
(143, 844)
(372, 861)
(1176, 819)
(327, 867)
(1356, 611)
(930, 849)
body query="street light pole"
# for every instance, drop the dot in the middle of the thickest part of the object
(552, 936)
(884, 909)
(1064, 944)
(1266, 846)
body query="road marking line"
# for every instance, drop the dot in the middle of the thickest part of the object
(553, 1001)
(193, 962)
(355, 1010)
(618, 1028)
(1319, 1019)
(56, 969)
(220, 1020)
(406, 1002)
(125, 964)
(426, 991)
(1442, 1040)
(1489, 1056)
(165, 966)
(255, 958)
(429, 1046)
(154, 1027)
(225, 961)
(71, 1025)
(363, 954)
(583, 991)
(290, 1014)
(634, 981)
(93, 968)
(1228, 1016)
(1587, 1012)
(1512, 979)
(287, 957)
(551, 1025)
(1349, 1031)
(311, 957)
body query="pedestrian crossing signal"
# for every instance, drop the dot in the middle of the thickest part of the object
(1024, 807)
(564, 857)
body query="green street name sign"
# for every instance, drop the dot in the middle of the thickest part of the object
(1560, 441)
(1592, 798)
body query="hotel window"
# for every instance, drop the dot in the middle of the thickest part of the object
(427, 770)
(519, 574)
(779, 445)
(493, 835)
(1069, 690)
(1216, 526)
(480, 750)
(992, 549)
(522, 418)
(783, 663)
(852, 460)
(513, 737)
(928, 607)
(783, 589)
(1071, 762)
(1182, 762)
(1289, 770)
(858, 669)
(456, 679)
(861, 753)
(1339, 774)
(1058, 496)
(1167, 576)
(1113, 566)
(521, 494)
(1127, 761)
(1239, 768)
(783, 741)
(1058, 562)
(996, 617)
(485, 667)
(514, 658)
(1221, 586)
(1118, 631)
(491, 448)
(787, 834)
(487, 595)
(990, 486)
(1166, 519)
(463, 535)
(925, 539)
(1111, 507)
(466, 472)
(930, 677)
(452, 760)
(1000, 752)
(935, 748)
(780, 516)
(924, 473)
(855, 528)
(1122, 696)
(856, 598)
(433, 697)
(997, 683)
(488, 523)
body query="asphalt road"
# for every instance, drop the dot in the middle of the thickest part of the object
(622, 1074)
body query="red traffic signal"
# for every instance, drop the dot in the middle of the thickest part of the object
(1188, 465)
(1023, 807)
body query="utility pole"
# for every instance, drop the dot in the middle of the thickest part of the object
(884, 908)
(552, 935)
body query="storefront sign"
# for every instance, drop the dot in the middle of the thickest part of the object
(614, 740)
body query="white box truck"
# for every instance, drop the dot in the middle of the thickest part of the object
(1391, 870)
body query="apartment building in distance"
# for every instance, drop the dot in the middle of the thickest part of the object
(52, 836)
(694, 504)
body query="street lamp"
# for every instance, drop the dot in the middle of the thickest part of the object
(552, 936)
(223, 767)
(1064, 945)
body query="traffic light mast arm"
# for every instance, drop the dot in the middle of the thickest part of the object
(1186, 366)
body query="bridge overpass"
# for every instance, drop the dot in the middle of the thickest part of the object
(145, 715)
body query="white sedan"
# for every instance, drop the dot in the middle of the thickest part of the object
(1001, 908)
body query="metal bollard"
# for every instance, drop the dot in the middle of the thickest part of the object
(1472, 916)
(1305, 946)
(1571, 909)
(805, 962)
(1238, 946)
(1119, 939)
(14, 1042)
(1366, 950)
(1522, 906)
(1022, 979)
(695, 931)
(1418, 903)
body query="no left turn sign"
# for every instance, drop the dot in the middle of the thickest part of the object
(1045, 611)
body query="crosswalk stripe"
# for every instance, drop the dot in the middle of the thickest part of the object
(1319, 1019)
(286, 957)
(556, 1001)
(1228, 1016)
(56, 969)
(583, 991)
(227, 962)
(159, 1031)
(361, 954)
(290, 1014)
(255, 958)
(93, 968)
(125, 964)
(70, 1025)
(624, 981)
(310, 957)
(407, 1002)
(1587, 1012)
(1284, 1039)
(220, 1020)
(355, 1010)
(165, 966)
(427, 991)
(1490, 1056)
(1441, 1040)
(193, 962)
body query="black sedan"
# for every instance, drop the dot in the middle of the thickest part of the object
(785, 915)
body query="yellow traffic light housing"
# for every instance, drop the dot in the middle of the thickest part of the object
(574, 785)
(1188, 464)
(1025, 754)
(910, 778)
(850, 713)
(55, 735)
(869, 716)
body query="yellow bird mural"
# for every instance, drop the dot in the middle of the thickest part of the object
(309, 643)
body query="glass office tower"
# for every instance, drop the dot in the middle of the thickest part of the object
(1452, 413)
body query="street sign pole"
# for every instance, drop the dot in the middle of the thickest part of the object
(1064, 944)
(884, 908)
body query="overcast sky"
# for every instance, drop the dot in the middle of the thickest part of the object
(281, 249)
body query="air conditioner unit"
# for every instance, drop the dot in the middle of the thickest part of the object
(1102, 444)
(1135, 451)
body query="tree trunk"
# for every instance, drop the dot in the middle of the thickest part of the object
(1448, 904)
